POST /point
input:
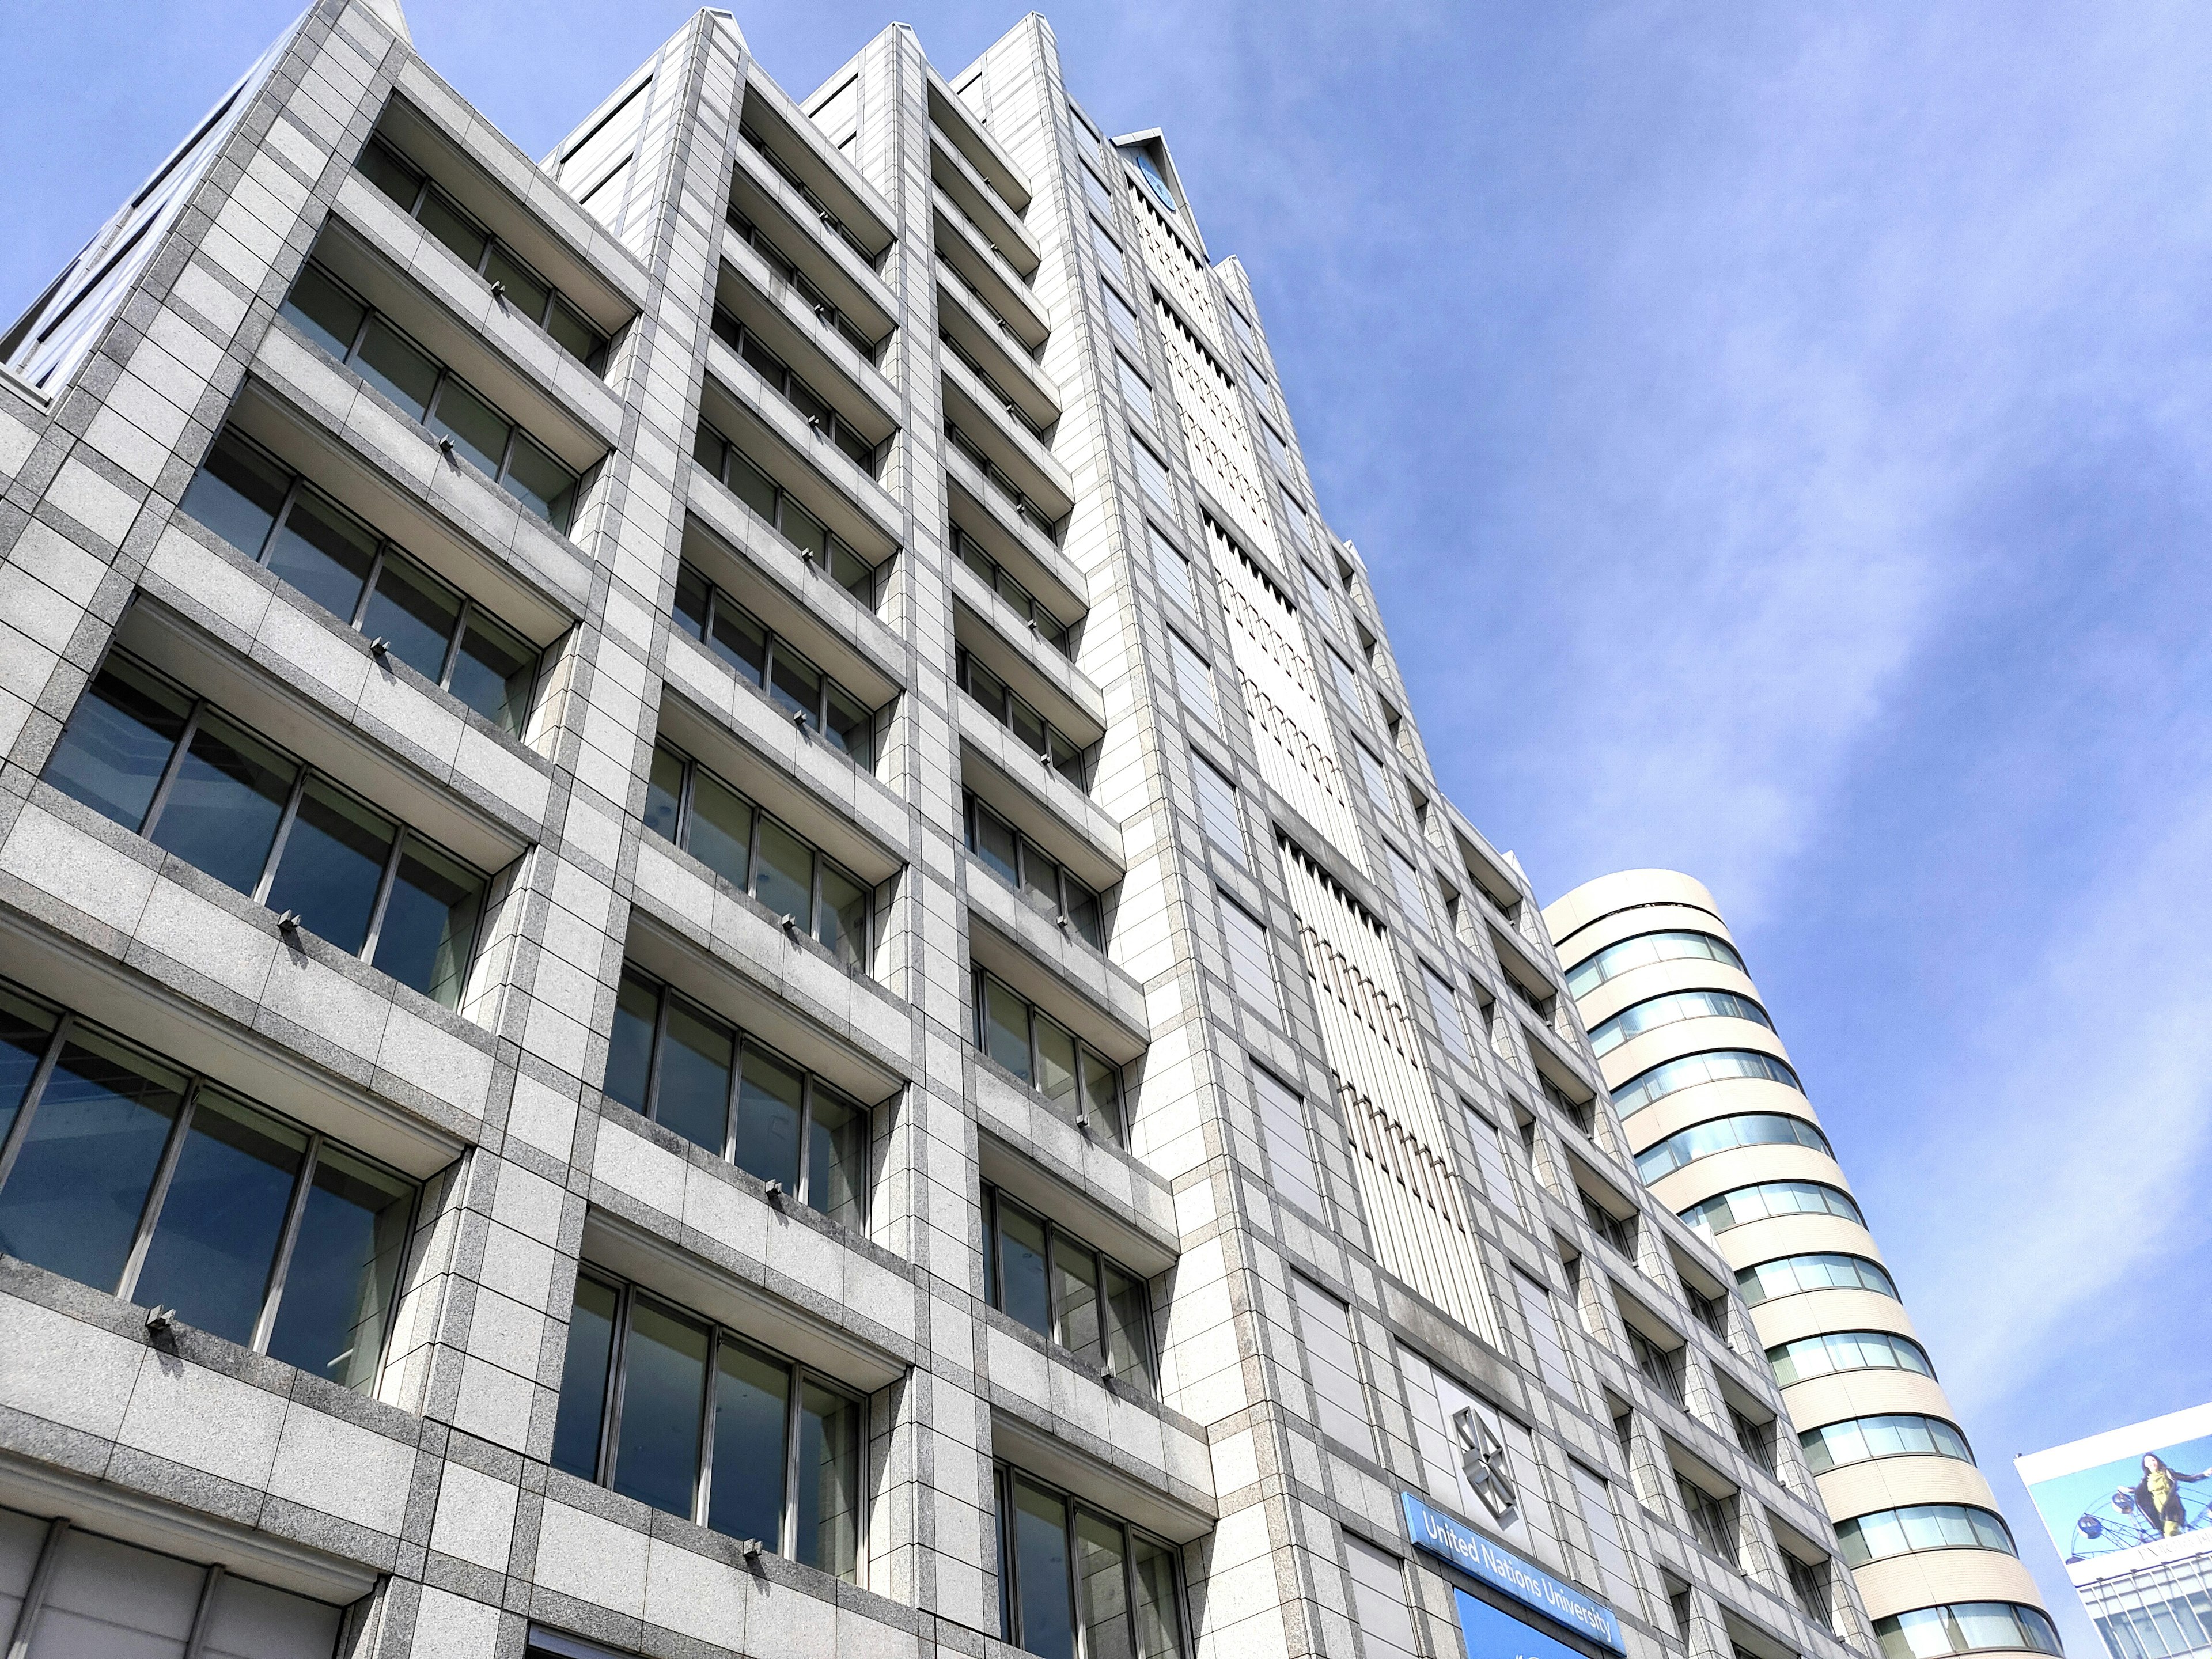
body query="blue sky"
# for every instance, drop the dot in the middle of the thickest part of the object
(1778, 434)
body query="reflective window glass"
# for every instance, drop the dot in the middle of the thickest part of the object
(993, 842)
(345, 1266)
(837, 1157)
(1040, 1571)
(1102, 1586)
(1159, 1614)
(664, 794)
(664, 1390)
(1055, 1060)
(332, 864)
(478, 433)
(741, 642)
(222, 808)
(829, 1509)
(796, 687)
(237, 494)
(429, 925)
(323, 553)
(540, 484)
(1126, 1347)
(525, 292)
(390, 175)
(692, 1093)
(851, 728)
(584, 1379)
(719, 834)
(1075, 1298)
(1006, 1029)
(769, 1101)
(216, 1240)
(445, 221)
(415, 612)
(783, 872)
(26, 1029)
(842, 923)
(1101, 1094)
(395, 367)
(752, 1399)
(1024, 1293)
(117, 742)
(325, 313)
(629, 1050)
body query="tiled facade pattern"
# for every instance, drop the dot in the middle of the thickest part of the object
(974, 363)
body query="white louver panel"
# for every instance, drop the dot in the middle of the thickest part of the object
(1177, 269)
(1213, 429)
(1412, 1203)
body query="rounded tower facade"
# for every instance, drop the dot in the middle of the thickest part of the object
(1724, 1135)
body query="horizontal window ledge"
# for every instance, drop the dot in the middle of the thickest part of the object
(777, 116)
(976, 410)
(1105, 1196)
(1006, 777)
(959, 242)
(1002, 352)
(954, 174)
(984, 625)
(1182, 1511)
(733, 547)
(1098, 1001)
(751, 415)
(986, 514)
(811, 342)
(1629, 986)
(816, 249)
(975, 142)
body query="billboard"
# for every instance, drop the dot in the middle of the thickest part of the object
(2128, 1498)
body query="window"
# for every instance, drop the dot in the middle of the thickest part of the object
(1808, 1582)
(277, 519)
(1278, 451)
(1490, 1158)
(1372, 778)
(1965, 1627)
(1711, 1520)
(672, 1061)
(1661, 1365)
(1041, 1275)
(1378, 1600)
(1917, 1527)
(681, 1414)
(1051, 745)
(1846, 1351)
(1194, 680)
(814, 540)
(1721, 1134)
(1323, 605)
(1035, 874)
(465, 425)
(1293, 514)
(1901, 1435)
(1408, 883)
(1045, 1055)
(1711, 1310)
(2165, 1629)
(1008, 405)
(1541, 1318)
(1120, 314)
(1251, 962)
(812, 406)
(1332, 1367)
(1152, 474)
(1135, 392)
(1026, 606)
(1655, 1011)
(1618, 1230)
(1346, 680)
(1755, 1437)
(1031, 513)
(1170, 568)
(1262, 392)
(784, 171)
(1102, 199)
(1691, 1070)
(141, 750)
(1445, 1007)
(811, 296)
(1818, 1271)
(1716, 1215)
(1217, 809)
(139, 1178)
(1109, 252)
(1240, 323)
(688, 805)
(72, 1592)
(1289, 1151)
(771, 665)
(1065, 1567)
(1645, 949)
(1152, 176)
(1616, 1577)
(513, 283)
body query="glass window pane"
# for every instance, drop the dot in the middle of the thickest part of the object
(693, 1094)
(740, 642)
(25, 1031)
(796, 687)
(752, 1399)
(394, 368)
(993, 842)
(117, 742)
(338, 1292)
(1007, 1028)
(1022, 1291)
(429, 926)
(1040, 1570)
(525, 292)
(828, 1519)
(1101, 1587)
(664, 793)
(543, 486)
(836, 1157)
(783, 873)
(802, 529)
(331, 866)
(1041, 881)
(236, 492)
(768, 1105)
(1129, 1349)
(1101, 1094)
(1159, 1614)
(1055, 1073)
(664, 1387)
(416, 612)
(584, 1379)
(446, 223)
(1084, 914)
(323, 553)
(222, 809)
(691, 590)
(720, 833)
(630, 1051)
(986, 688)
(390, 175)
(493, 673)
(751, 486)
(842, 924)
(1026, 724)
(222, 1217)
(574, 334)
(1075, 1296)
(851, 572)
(72, 1203)
(851, 728)
(478, 431)
(325, 313)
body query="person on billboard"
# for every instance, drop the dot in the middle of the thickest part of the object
(2158, 1495)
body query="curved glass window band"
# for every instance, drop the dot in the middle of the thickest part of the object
(1678, 944)
(1671, 1009)
(1861, 1440)
(1767, 1199)
(1714, 1066)
(1723, 1134)
(1913, 1528)
(1846, 1351)
(1826, 1270)
(1965, 1627)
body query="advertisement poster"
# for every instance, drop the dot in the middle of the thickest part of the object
(2127, 1499)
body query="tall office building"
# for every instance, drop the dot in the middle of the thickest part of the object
(1723, 1135)
(723, 934)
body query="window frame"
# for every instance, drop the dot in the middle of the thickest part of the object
(466, 607)
(67, 1023)
(612, 1398)
(975, 807)
(817, 718)
(1086, 1108)
(1807, 1437)
(1003, 1475)
(992, 1196)
(868, 590)
(738, 334)
(1076, 768)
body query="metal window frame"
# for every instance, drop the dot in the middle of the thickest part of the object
(980, 978)
(817, 718)
(994, 1259)
(1064, 884)
(1003, 1477)
(628, 1294)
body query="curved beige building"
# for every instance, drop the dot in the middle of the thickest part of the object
(1725, 1136)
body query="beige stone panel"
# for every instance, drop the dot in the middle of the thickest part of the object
(1690, 1036)
(1795, 1234)
(1739, 1166)
(1703, 1102)
(1930, 1577)
(1623, 890)
(1886, 1483)
(1808, 1313)
(1819, 1400)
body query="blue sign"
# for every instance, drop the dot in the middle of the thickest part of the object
(1471, 1552)
(1493, 1633)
